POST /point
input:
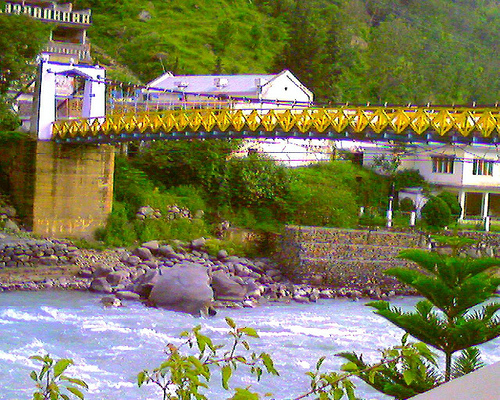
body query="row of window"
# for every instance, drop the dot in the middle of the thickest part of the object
(446, 164)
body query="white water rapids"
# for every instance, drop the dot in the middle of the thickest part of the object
(111, 345)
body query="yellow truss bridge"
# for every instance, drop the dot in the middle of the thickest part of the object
(411, 123)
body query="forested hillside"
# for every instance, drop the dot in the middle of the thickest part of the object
(396, 51)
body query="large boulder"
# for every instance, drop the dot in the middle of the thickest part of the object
(226, 288)
(184, 288)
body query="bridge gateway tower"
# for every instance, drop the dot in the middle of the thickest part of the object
(62, 190)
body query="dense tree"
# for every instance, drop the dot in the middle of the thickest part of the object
(21, 39)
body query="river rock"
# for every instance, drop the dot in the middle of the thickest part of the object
(127, 295)
(117, 277)
(183, 288)
(100, 285)
(166, 250)
(152, 245)
(198, 244)
(143, 253)
(101, 270)
(111, 301)
(226, 288)
(222, 254)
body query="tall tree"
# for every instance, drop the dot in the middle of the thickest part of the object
(21, 38)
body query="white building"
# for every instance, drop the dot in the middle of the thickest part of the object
(472, 172)
(245, 92)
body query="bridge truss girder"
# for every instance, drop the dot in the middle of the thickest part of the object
(405, 124)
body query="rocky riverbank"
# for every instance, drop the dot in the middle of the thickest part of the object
(29, 264)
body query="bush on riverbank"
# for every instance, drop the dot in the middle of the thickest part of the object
(253, 192)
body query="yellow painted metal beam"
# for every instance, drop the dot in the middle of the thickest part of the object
(463, 122)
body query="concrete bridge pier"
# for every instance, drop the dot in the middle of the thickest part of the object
(62, 190)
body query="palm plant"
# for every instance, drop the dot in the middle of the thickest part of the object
(454, 315)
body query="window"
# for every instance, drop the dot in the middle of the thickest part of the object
(482, 167)
(443, 165)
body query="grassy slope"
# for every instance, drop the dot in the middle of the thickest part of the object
(183, 36)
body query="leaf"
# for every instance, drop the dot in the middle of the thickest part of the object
(230, 322)
(226, 374)
(338, 394)
(244, 394)
(141, 378)
(34, 376)
(249, 332)
(38, 358)
(61, 366)
(269, 364)
(76, 381)
(349, 367)
(76, 392)
(409, 376)
(320, 362)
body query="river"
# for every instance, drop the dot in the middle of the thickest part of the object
(111, 345)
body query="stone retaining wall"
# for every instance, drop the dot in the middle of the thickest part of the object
(31, 253)
(357, 258)
(344, 257)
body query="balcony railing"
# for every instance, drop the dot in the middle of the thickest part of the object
(49, 14)
(80, 51)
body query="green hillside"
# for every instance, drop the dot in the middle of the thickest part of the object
(396, 51)
(188, 37)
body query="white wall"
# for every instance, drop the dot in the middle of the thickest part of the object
(94, 102)
(285, 87)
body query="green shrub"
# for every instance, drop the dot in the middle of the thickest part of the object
(255, 182)
(436, 212)
(406, 205)
(452, 201)
(131, 185)
(119, 231)
(409, 178)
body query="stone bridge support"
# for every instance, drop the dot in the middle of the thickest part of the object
(61, 190)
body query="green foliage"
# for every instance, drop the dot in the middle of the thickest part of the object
(329, 194)
(131, 185)
(407, 205)
(408, 178)
(436, 212)
(452, 201)
(468, 361)
(403, 372)
(195, 162)
(456, 286)
(187, 375)
(51, 382)
(21, 38)
(257, 183)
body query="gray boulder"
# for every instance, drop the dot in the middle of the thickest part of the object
(183, 288)
(143, 253)
(226, 288)
(115, 278)
(152, 245)
(101, 270)
(100, 285)
(127, 295)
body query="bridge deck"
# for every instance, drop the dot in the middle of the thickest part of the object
(448, 124)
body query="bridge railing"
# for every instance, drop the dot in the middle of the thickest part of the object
(462, 122)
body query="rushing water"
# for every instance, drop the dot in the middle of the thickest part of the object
(111, 345)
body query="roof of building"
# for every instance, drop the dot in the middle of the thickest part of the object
(236, 85)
